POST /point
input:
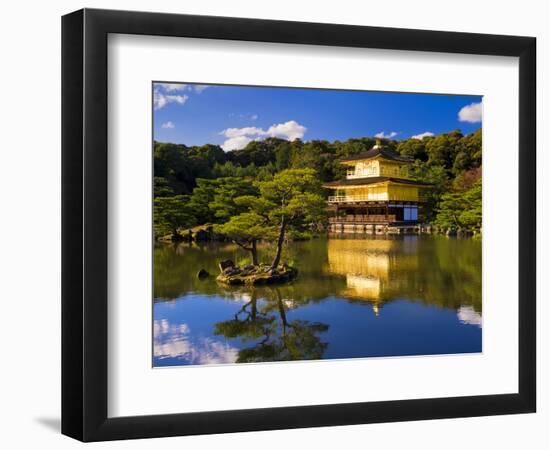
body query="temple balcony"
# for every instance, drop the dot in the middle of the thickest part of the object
(383, 171)
(364, 218)
(374, 197)
(352, 174)
(358, 198)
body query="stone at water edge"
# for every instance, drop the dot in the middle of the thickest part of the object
(225, 264)
(203, 273)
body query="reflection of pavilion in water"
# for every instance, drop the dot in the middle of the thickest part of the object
(375, 269)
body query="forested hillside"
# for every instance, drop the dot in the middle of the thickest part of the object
(196, 185)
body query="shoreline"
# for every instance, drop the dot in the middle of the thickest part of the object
(205, 233)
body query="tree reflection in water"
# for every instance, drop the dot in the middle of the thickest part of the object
(274, 336)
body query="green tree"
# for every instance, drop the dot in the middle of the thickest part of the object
(353, 146)
(170, 163)
(291, 200)
(439, 184)
(461, 163)
(283, 155)
(245, 230)
(258, 152)
(162, 187)
(471, 216)
(213, 199)
(227, 169)
(266, 172)
(318, 155)
(442, 149)
(471, 144)
(461, 209)
(223, 205)
(170, 214)
(202, 196)
(414, 148)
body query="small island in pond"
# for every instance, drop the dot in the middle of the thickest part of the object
(255, 275)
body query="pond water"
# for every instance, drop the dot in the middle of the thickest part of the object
(354, 297)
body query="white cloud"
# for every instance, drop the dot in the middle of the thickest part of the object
(422, 135)
(160, 100)
(237, 132)
(383, 135)
(236, 143)
(168, 124)
(240, 137)
(172, 87)
(470, 113)
(254, 117)
(180, 87)
(290, 130)
(200, 87)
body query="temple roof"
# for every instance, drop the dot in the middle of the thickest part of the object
(378, 150)
(372, 180)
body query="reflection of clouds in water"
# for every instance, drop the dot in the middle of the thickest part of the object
(467, 314)
(164, 327)
(289, 303)
(174, 341)
(237, 296)
(242, 297)
(261, 298)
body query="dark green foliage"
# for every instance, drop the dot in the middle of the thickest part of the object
(435, 175)
(443, 148)
(180, 165)
(258, 152)
(162, 188)
(212, 178)
(414, 148)
(213, 199)
(317, 155)
(283, 156)
(353, 146)
(202, 196)
(471, 145)
(461, 209)
(172, 213)
(223, 204)
(171, 164)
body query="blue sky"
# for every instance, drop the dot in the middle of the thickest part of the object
(232, 116)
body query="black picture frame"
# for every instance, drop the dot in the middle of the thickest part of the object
(84, 224)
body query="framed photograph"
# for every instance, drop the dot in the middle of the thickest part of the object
(273, 224)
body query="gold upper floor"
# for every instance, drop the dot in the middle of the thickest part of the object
(377, 168)
(377, 175)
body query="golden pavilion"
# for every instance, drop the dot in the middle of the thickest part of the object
(377, 195)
